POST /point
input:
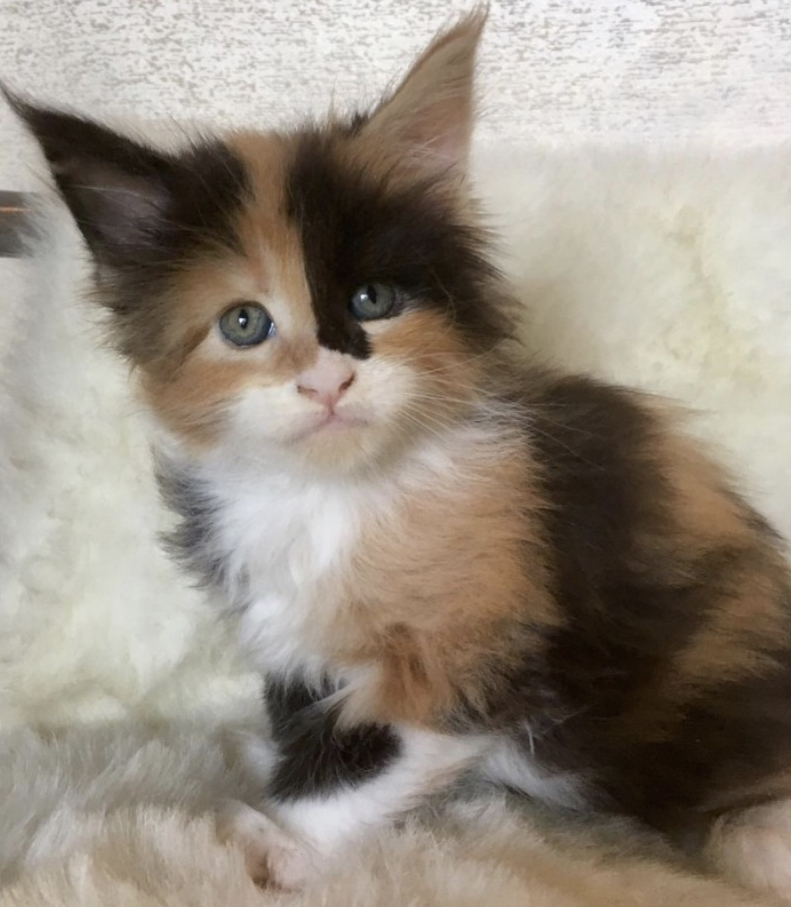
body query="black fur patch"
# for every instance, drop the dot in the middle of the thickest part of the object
(631, 599)
(356, 228)
(588, 441)
(135, 204)
(624, 615)
(192, 542)
(144, 213)
(317, 756)
(727, 740)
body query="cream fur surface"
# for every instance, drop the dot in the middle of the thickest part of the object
(667, 270)
(118, 815)
(150, 857)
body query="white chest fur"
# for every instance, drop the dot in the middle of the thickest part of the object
(286, 540)
(289, 539)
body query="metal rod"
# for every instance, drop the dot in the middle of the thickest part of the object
(15, 208)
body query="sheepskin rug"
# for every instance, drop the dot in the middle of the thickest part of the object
(667, 269)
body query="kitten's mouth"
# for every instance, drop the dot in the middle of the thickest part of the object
(332, 422)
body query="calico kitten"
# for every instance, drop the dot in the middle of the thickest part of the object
(442, 560)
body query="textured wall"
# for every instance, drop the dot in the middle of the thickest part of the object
(625, 69)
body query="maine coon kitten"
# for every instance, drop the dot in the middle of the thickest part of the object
(443, 561)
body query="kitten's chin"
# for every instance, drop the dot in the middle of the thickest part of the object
(340, 446)
(348, 444)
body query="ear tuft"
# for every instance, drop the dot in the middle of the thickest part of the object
(431, 113)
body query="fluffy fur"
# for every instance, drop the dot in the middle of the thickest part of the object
(123, 816)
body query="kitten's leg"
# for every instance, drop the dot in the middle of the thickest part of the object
(263, 843)
(327, 782)
(330, 784)
(753, 847)
(330, 816)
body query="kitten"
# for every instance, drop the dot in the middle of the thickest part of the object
(443, 561)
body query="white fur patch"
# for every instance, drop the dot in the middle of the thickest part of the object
(286, 536)
(507, 764)
(327, 823)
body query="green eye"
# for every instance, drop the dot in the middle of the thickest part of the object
(246, 325)
(374, 300)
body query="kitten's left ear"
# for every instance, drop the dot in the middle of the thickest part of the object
(117, 189)
(133, 203)
(430, 116)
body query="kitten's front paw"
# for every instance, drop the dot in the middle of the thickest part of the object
(274, 858)
(753, 847)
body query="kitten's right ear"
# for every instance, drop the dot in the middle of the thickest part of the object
(118, 190)
(430, 116)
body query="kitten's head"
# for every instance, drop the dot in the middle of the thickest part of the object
(323, 293)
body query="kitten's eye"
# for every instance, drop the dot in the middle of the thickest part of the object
(374, 300)
(246, 325)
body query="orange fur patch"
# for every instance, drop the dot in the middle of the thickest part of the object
(467, 592)
(425, 342)
(191, 385)
(751, 612)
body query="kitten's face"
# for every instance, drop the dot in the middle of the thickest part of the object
(323, 294)
(333, 325)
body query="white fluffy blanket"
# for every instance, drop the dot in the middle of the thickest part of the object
(669, 270)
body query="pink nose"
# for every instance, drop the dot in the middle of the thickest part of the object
(327, 381)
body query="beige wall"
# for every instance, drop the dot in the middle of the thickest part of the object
(552, 69)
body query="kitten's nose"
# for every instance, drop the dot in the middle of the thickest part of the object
(327, 380)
